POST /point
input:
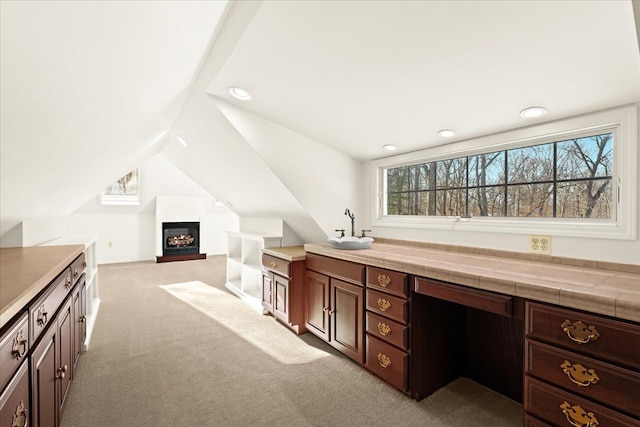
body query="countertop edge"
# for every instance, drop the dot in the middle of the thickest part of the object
(611, 302)
(29, 293)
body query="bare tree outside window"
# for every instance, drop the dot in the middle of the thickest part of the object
(125, 191)
(563, 179)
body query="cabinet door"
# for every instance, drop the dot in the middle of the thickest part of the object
(317, 307)
(43, 380)
(66, 330)
(281, 298)
(267, 291)
(347, 319)
(79, 320)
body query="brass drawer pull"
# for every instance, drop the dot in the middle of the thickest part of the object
(577, 416)
(578, 374)
(75, 274)
(84, 264)
(384, 329)
(67, 283)
(19, 346)
(384, 304)
(41, 316)
(579, 332)
(384, 280)
(384, 360)
(21, 412)
(273, 264)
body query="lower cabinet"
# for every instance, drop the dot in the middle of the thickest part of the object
(580, 368)
(388, 344)
(335, 307)
(282, 289)
(39, 348)
(51, 367)
(14, 401)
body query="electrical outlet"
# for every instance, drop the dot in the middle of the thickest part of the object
(540, 245)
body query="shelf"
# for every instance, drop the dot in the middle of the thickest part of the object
(244, 264)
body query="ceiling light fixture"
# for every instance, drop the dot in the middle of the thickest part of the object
(389, 147)
(446, 133)
(533, 112)
(182, 141)
(240, 94)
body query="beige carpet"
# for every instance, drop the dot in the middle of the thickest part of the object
(171, 347)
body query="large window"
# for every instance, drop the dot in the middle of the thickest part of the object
(572, 177)
(567, 179)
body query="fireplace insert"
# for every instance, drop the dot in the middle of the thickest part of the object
(180, 238)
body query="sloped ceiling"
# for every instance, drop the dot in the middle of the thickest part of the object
(88, 91)
(91, 89)
(356, 75)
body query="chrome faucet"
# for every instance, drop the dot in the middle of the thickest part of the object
(353, 221)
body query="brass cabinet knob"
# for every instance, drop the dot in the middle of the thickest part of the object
(21, 416)
(577, 416)
(384, 304)
(19, 346)
(384, 329)
(384, 280)
(82, 319)
(578, 374)
(579, 332)
(331, 312)
(384, 360)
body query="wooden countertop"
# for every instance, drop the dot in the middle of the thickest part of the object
(288, 253)
(605, 288)
(24, 272)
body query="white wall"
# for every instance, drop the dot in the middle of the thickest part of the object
(129, 233)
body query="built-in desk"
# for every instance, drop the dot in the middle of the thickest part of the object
(486, 314)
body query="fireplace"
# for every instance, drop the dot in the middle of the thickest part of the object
(180, 241)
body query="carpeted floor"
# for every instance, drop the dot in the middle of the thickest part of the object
(171, 347)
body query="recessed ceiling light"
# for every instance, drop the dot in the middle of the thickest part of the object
(240, 94)
(446, 133)
(182, 141)
(532, 112)
(389, 147)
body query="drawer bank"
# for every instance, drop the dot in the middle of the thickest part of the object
(42, 313)
(560, 336)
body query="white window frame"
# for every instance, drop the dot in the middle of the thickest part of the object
(623, 122)
(123, 199)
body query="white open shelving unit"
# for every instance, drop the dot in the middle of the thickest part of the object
(244, 264)
(92, 290)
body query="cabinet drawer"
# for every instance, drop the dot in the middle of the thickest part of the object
(387, 330)
(530, 421)
(387, 362)
(476, 298)
(14, 346)
(558, 407)
(597, 336)
(77, 267)
(608, 384)
(392, 282)
(44, 309)
(277, 265)
(14, 401)
(394, 308)
(344, 270)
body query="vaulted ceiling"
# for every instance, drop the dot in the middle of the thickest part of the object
(91, 89)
